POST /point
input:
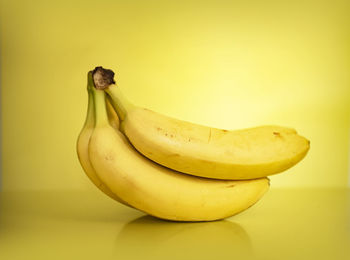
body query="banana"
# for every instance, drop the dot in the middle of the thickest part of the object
(160, 191)
(84, 138)
(204, 151)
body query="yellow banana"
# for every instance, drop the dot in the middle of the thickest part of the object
(160, 191)
(84, 138)
(200, 150)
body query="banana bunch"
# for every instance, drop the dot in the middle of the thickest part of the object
(173, 169)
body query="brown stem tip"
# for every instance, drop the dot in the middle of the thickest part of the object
(102, 78)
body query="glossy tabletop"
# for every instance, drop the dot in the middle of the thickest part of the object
(285, 224)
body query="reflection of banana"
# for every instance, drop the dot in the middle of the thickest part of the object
(160, 191)
(204, 151)
(157, 239)
(84, 138)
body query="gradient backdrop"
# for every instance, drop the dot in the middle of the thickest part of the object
(228, 64)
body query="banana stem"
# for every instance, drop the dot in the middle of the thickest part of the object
(119, 102)
(90, 115)
(101, 116)
(103, 79)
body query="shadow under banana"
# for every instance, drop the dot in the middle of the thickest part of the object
(150, 237)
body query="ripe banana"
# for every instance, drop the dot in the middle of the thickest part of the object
(200, 150)
(84, 138)
(160, 191)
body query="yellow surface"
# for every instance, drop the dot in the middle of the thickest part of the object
(285, 224)
(227, 64)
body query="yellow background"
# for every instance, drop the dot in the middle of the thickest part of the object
(228, 64)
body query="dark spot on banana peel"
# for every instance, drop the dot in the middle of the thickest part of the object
(225, 131)
(231, 186)
(277, 134)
